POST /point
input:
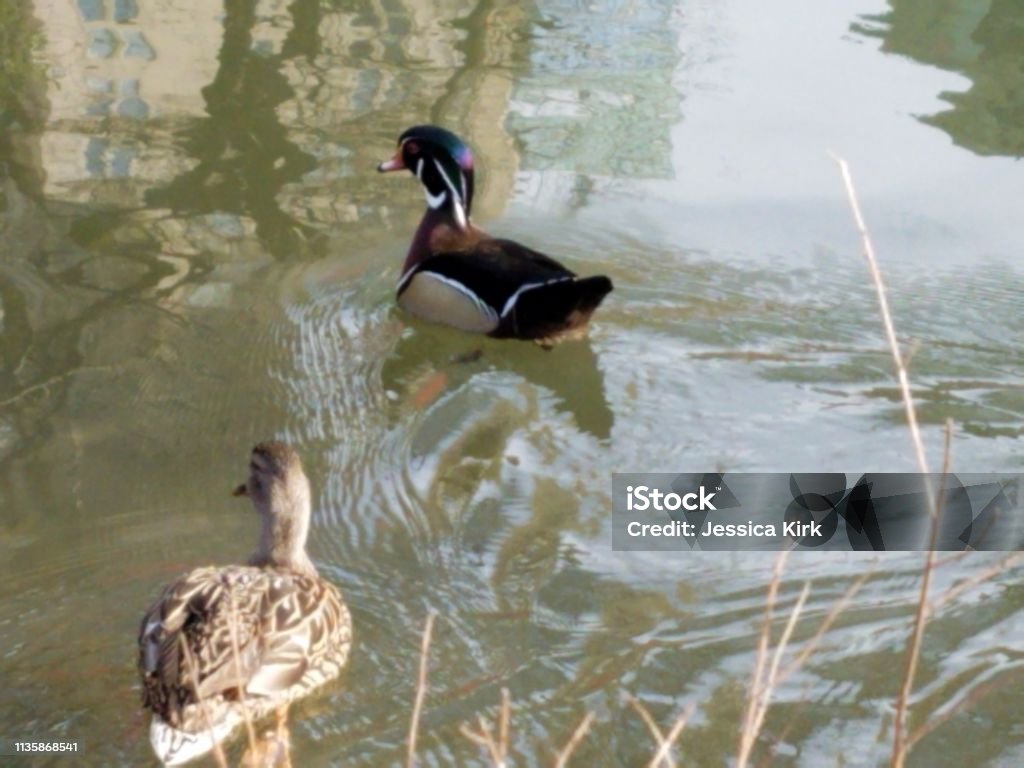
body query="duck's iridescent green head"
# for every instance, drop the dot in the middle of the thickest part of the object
(443, 164)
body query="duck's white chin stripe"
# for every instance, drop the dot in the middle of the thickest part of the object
(434, 201)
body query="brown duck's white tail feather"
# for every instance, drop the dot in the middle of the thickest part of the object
(176, 747)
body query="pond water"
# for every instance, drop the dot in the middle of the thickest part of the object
(197, 254)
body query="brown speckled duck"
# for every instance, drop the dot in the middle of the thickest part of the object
(457, 274)
(223, 640)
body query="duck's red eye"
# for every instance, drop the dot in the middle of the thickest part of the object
(413, 147)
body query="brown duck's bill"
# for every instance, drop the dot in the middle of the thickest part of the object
(394, 164)
(241, 490)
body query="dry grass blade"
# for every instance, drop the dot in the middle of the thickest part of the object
(900, 745)
(760, 661)
(979, 578)
(485, 739)
(218, 753)
(787, 633)
(503, 723)
(812, 645)
(665, 747)
(236, 653)
(273, 750)
(762, 698)
(976, 694)
(890, 330)
(496, 745)
(421, 690)
(645, 715)
(574, 741)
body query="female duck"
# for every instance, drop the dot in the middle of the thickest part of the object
(457, 274)
(221, 644)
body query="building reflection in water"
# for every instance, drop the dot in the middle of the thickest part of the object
(187, 144)
(271, 112)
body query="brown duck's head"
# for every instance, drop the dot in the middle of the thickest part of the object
(443, 164)
(279, 491)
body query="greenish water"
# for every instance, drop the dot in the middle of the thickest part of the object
(197, 254)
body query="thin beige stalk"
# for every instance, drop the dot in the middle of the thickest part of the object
(218, 753)
(760, 697)
(421, 690)
(978, 578)
(496, 745)
(233, 624)
(760, 660)
(503, 723)
(890, 330)
(812, 645)
(979, 692)
(485, 739)
(652, 726)
(574, 741)
(900, 744)
(665, 747)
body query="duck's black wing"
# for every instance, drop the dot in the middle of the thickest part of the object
(528, 294)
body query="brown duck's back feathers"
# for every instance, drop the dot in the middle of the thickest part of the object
(218, 637)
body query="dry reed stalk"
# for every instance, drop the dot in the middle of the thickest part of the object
(233, 624)
(218, 753)
(767, 677)
(979, 692)
(899, 744)
(812, 645)
(496, 746)
(665, 747)
(503, 723)
(574, 741)
(762, 650)
(485, 739)
(978, 578)
(421, 690)
(809, 647)
(652, 726)
(890, 330)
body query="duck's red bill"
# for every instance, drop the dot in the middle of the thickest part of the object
(394, 164)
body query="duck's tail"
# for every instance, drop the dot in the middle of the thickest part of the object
(175, 747)
(555, 309)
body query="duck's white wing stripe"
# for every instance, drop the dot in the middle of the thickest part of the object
(528, 287)
(406, 277)
(434, 201)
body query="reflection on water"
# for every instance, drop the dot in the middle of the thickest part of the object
(980, 39)
(197, 254)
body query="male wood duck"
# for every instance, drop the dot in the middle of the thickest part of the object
(225, 644)
(457, 274)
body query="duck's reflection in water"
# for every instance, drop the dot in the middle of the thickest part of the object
(429, 362)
